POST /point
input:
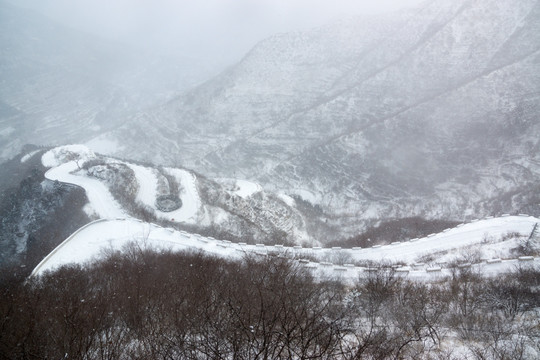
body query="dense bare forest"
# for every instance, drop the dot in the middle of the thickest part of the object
(145, 304)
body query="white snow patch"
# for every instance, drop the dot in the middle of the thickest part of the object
(66, 153)
(191, 202)
(451, 241)
(148, 182)
(287, 200)
(28, 156)
(89, 210)
(63, 162)
(91, 240)
(247, 188)
(101, 201)
(307, 195)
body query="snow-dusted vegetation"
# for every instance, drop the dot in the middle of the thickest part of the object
(365, 189)
(139, 303)
(119, 189)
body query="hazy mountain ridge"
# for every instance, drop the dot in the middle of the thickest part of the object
(60, 85)
(432, 114)
(50, 76)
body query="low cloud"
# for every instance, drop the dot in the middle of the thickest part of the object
(209, 27)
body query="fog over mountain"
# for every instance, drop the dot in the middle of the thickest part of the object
(221, 29)
(61, 85)
(430, 111)
(244, 179)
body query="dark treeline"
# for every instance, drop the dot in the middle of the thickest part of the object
(142, 304)
(396, 230)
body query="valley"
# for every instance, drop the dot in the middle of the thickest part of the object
(367, 188)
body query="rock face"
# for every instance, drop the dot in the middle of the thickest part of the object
(432, 113)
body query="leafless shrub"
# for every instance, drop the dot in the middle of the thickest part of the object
(90, 163)
(337, 257)
(144, 303)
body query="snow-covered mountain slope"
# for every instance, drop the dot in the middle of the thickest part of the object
(494, 239)
(431, 113)
(118, 189)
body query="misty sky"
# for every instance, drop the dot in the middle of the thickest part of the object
(225, 28)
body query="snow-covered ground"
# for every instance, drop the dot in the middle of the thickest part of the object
(450, 244)
(242, 188)
(64, 162)
(148, 183)
(488, 242)
(101, 202)
(247, 188)
(91, 240)
(148, 192)
(66, 153)
(191, 202)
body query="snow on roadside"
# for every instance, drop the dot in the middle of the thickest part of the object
(101, 201)
(242, 188)
(450, 241)
(287, 200)
(90, 241)
(484, 235)
(63, 154)
(191, 201)
(148, 183)
(64, 162)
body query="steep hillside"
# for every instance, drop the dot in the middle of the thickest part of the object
(227, 208)
(36, 214)
(430, 113)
